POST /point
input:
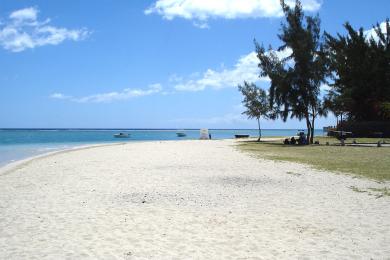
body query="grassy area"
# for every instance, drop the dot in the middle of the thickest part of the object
(332, 140)
(370, 162)
(382, 191)
(377, 192)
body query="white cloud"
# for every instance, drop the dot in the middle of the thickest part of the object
(25, 14)
(175, 78)
(24, 31)
(246, 69)
(372, 33)
(201, 25)
(202, 10)
(111, 96)
(59, 96)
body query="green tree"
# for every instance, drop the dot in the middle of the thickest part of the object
(337, 104)
(255, 101)
(296, 80)
(360, 71)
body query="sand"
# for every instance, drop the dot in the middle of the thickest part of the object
(185, 200)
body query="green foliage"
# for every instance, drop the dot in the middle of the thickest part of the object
(296, 80)
(360, 70)
(385, 110)
(255, 101)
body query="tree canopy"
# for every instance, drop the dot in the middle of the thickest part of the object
(360, 71)
(255, 102)
(296, 80)
(356, 66)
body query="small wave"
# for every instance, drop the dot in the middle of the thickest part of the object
(43, 149)
(46, 149)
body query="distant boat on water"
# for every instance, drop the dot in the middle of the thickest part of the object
(121, 135)
(241, 136)
(181, 133)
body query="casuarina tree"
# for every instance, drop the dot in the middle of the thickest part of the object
(296, 79)
(255, 102)
(360, 66)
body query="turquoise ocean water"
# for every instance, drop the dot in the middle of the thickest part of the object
(16, 144)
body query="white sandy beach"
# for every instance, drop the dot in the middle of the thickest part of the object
(185, 200)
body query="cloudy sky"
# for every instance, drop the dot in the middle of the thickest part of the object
(145, 64)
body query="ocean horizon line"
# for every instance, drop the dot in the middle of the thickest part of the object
(145, 129)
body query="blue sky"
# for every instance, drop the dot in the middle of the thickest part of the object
(144, 64)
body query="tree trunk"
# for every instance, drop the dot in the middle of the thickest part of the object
(258, 123)
(312, 133)
(308, 125)
(312, 130)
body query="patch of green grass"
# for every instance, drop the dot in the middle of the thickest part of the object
(332, 140)
(294, 173)
(382, 191)
(377, 192)
(356, 189)
(370, 162)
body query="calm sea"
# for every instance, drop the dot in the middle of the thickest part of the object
(16, 144)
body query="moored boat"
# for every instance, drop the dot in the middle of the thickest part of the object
(241, 136)
(122, 135)
(181, 133)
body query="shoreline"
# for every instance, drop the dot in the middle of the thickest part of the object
(5, 168)
(11, 166)
(15, 163)
(16, 145)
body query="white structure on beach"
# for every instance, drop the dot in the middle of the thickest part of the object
(204, 134)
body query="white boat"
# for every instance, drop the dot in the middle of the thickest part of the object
(121, 135)
(181, 133)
